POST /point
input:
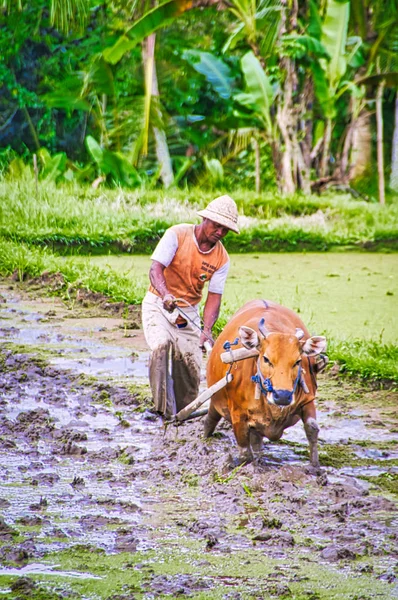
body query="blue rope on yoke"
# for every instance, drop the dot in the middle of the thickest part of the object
(227, 345)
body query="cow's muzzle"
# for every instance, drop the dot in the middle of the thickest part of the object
(282, 397)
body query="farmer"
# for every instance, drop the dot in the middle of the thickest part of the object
(186, 258)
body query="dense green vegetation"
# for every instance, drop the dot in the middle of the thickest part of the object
(254, 94)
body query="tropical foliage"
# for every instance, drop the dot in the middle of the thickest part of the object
(210, 92)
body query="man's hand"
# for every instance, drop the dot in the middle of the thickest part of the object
(204, 337)
(169, 302)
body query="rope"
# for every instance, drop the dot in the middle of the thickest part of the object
(184, 314)
(266, 383)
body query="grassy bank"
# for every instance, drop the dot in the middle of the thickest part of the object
(374, 361)
(117, 220)
(22, 262)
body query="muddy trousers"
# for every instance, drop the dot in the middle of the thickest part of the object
(174, 364)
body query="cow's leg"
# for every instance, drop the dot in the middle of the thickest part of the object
(242, 435)
(256, 440)
(211, 421)
(311, 429)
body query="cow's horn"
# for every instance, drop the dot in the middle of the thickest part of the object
(299, 333)
(262, 328)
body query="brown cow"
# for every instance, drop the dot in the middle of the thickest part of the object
(275, 390)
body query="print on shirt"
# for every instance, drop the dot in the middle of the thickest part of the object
(208, 268)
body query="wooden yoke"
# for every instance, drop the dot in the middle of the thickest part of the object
(240, 354)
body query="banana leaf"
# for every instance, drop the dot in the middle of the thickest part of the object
(217, 73)
(113, 164)
(114, 53)
(268, 24)
(259, 94)
(334, 39)
(308, 44)
(95, 151)
(152, 21)
(214, 169)
(54, 167)
(236, 36)
(322, 91)
(315, 24)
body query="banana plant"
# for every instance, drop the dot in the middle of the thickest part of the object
(113, 165)
(259, 94)
(149, 23)
(256, 100)
(216, 71)
(328, 74)
(258, 23)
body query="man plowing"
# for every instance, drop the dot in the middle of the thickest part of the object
(185, 259)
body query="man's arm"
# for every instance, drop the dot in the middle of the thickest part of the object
(157, 279)
(210, 316)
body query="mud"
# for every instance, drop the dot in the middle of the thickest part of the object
(99, 500)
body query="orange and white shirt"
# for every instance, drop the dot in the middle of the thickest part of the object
(187, 267)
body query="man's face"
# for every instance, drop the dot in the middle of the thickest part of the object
(214, 231)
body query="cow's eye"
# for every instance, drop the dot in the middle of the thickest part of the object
(298, 362)
(267, 361)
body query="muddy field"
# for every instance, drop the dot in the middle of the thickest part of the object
(99, 501)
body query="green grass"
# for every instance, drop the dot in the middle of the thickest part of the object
(25, 261)
(133, 221)
(372, 361)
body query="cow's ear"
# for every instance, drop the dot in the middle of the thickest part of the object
(314, 345)
(248, 337)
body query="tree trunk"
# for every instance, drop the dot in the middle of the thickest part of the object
(380, 157)
(256, 147)
(361, 152)
(285, 176)
(303, 172)
(162, 149)
(344, 163)
(284, 117)
(326, 148)
(394, 157)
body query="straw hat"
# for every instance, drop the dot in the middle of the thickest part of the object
(222, 210)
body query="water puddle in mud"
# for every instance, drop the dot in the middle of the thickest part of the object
(40, 569)
(136, 367)
(94, 359)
